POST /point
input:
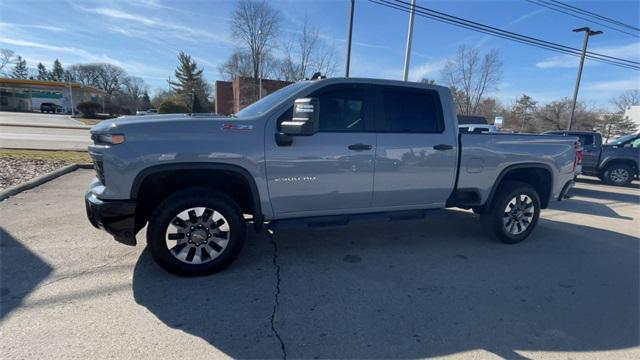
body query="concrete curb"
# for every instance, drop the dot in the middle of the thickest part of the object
(84, 150)
(14, 190)
(72, 127)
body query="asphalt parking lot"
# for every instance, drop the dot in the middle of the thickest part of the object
(409, 289)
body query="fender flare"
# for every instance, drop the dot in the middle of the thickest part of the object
(610, 160)
(510, 168)
(255, 195)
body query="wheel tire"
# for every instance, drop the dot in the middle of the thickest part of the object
(618, 175)
(493, 220)
(167, 211)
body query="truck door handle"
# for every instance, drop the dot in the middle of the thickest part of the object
(359, 147)
(443, 147)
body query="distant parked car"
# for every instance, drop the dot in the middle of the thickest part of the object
(478, 128)
(50, 108)
(147, 112)
(615, 163)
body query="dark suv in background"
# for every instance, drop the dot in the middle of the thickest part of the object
(50, 108)
(615, 163)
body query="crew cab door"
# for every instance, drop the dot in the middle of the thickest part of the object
(591, 146)
(332, 169)
(416, 156)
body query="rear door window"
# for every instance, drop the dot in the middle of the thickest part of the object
(411, 111)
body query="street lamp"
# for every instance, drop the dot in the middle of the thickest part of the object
(587, 32)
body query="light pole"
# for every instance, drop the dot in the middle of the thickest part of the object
(346, 73)
(407, 54)
(260, 67)
(73, 111)
(587, 32)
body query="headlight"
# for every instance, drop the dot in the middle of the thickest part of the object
(107, 139)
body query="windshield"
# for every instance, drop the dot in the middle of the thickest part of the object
(622, 139)
(263, 105)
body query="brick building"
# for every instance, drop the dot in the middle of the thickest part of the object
(233, 96)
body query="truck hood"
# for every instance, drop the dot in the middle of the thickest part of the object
(151, 123)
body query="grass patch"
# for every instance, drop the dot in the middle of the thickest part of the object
(70, 157)
(88, 121)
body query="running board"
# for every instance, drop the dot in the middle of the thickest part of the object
(343, 220)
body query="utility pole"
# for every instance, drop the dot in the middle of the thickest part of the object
(349, 38)
(407, 54)
(587, 32)
(73, 112)
(260, 68)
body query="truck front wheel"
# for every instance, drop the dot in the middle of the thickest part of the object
(618, 174)
(513, 213)
(195, 232)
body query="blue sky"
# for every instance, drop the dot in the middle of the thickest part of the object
(144, 36)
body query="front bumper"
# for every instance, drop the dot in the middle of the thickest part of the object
(117, 217)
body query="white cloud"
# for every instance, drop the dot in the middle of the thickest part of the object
(426, 70)
(622, 85)
(6, 25)
(629, 52)
(156, 27)
(117, 14)
(79, 55)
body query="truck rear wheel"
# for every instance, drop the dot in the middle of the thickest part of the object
(618, 174)
(513, 213)
(196, 232)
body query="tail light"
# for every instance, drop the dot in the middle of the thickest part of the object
(579, 155)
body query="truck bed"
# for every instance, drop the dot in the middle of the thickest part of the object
(485, 157)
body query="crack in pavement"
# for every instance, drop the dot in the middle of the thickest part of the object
(276, 302)
(81, 273)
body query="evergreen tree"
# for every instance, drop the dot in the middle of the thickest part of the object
(146, 101)
(189, 86)
(614, 125)
(42, 72)
(57, 72)
(20, 70)
(524, 111)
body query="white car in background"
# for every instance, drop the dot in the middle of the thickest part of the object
(478, 128)
(147, 112)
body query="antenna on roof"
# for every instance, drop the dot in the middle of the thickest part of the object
(318, 76)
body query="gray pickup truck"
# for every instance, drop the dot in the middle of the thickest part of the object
(615, 163)
(318, 152)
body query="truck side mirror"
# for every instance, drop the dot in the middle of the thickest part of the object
(305, 120)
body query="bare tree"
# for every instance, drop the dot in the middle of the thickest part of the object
(7, 57)
(238, 65)
(109, 77)
(472, 76)
(256, 25)
(626, 99)
(85, 74)
(133, 88)
(306, 55)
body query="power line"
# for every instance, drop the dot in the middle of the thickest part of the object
(586, 12)
(489, 30)
(570, 13)
(440, 15)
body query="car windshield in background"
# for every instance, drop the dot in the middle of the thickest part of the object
(261, 106)
(621, 139)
